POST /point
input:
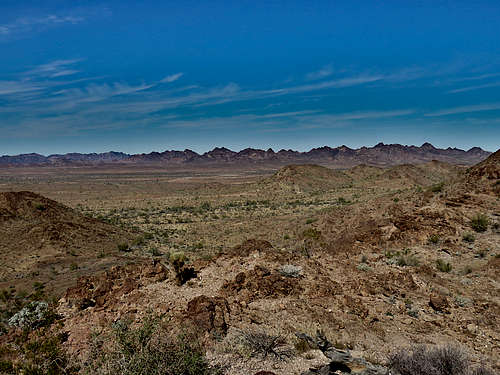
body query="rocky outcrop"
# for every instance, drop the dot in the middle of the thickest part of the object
(260, 283)
(210, 314)
(341, 361)
(439, 302)
(106, 289)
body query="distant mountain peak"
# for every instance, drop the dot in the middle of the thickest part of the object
(428, 145)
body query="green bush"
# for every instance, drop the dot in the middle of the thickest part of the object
(40, 207)
(406, 259)
(437, 188)
(479, 223)
(311, 233)
(443, 266)
(38, 352)
(468, 237)
(123, 247)
(205, 206)
(145, 349)
(433, 238)
(178, 259)
(155, 252)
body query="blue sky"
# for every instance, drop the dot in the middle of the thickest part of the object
(134, 76)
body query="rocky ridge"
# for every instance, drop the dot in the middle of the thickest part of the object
(343, 156)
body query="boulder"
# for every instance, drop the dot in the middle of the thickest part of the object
(439, 302)
(209, 313)
(342, 361)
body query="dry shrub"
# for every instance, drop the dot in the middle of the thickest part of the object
(266, 345)
(146, 349)
(438, 360)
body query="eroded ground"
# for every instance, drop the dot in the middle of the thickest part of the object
(383, 258)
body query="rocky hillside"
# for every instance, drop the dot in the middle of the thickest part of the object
(418, 263)
(373, 276)
(43, 240)
(306, 177)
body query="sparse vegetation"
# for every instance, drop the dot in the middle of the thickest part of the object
(265, 345)
(363, 267)
(468, 237)
(433, 239)
(123, 246)
(40, 207)
(479, 223)
(42, 353)
(289, 270)
(437, 188)
(403, 259)
(440, 360)
(311, 233)
(443, 266)
(146, 349)
(314, 260)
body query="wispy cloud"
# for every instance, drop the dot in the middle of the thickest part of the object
(476, 78)
(465, 109)
(477, 87)
(324, 72)
(172, 78)
(54, 69)
(336, 83)
(41, 100)
(95, 92)
(287, 120)
(16, 87)
(24, 25)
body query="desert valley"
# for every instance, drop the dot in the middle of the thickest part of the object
(263, 262)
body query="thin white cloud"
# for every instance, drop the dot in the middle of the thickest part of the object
(63, 73)
(337, 83)
(477, 87)
(95, 92)
(284, 120)
(16, 87)
(476, 78)
(288, 114)
(57, 68)
(24, 25)
(324, 72)
(465, 109)
(363, 115)
(172, 78)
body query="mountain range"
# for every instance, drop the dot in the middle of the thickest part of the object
(343, 156)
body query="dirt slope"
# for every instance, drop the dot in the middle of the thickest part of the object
(306, 178)
(485, 176)
(43, 240)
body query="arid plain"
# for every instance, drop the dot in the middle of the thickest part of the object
(374, 258)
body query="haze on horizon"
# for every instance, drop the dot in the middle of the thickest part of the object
(94, 76)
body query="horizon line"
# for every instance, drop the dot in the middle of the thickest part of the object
(243, 149)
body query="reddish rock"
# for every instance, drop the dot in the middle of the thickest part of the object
(105, 289)
(209, 313)
(250, 246)
(439, 302)
(260, 283)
